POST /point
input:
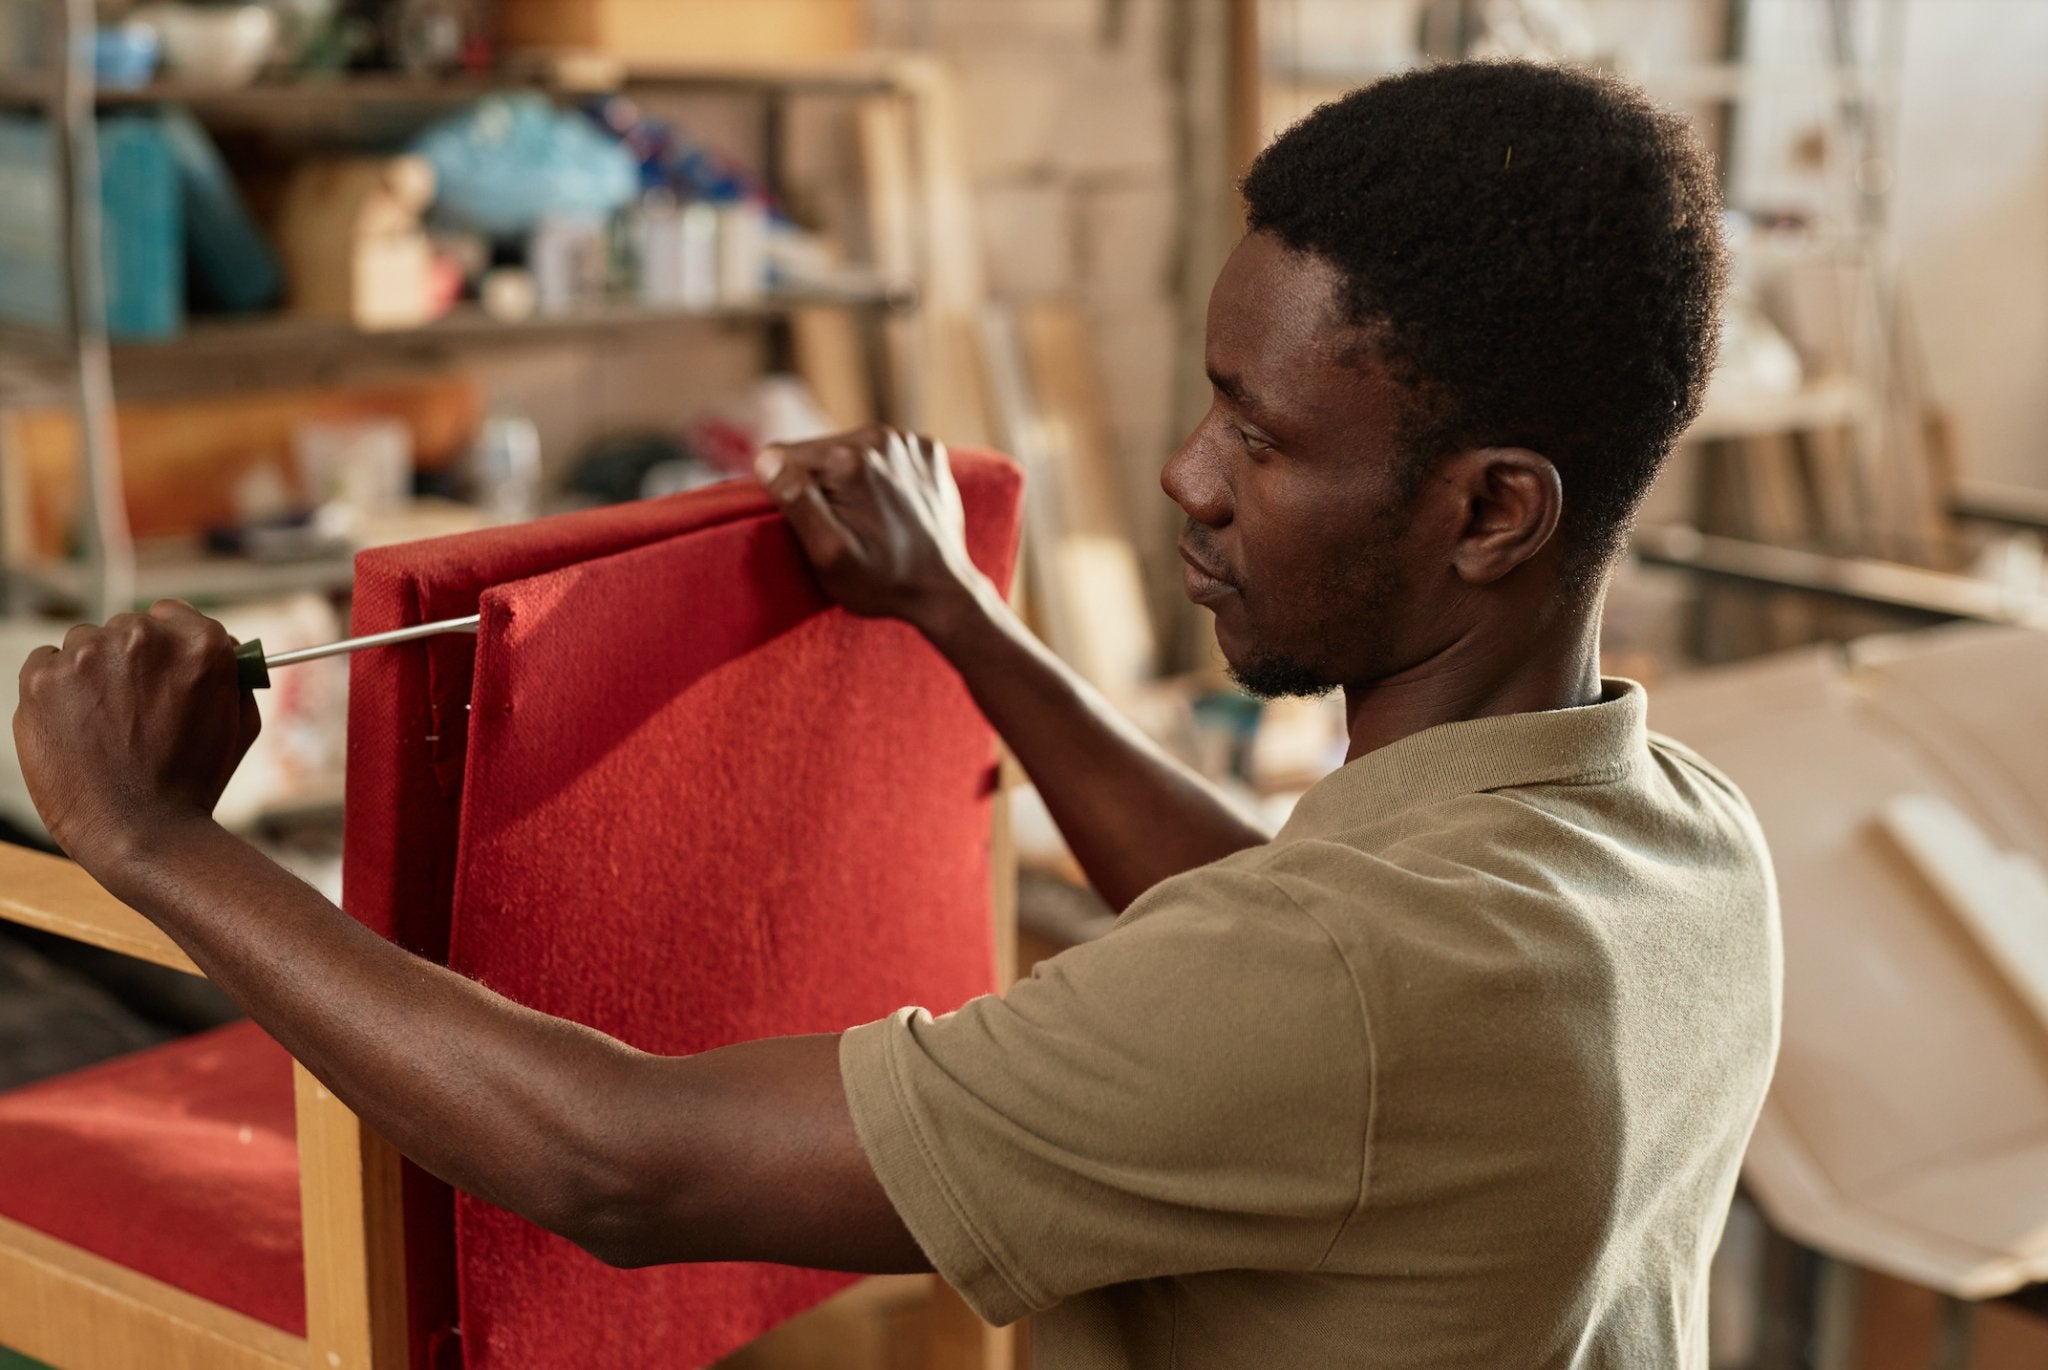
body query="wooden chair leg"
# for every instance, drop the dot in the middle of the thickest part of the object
(956, 1339)
(351, 1209)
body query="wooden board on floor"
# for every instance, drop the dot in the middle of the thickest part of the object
(833, 363)
(1065, 373)
(1087, 556)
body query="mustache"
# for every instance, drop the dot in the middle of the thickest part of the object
(1200, 541)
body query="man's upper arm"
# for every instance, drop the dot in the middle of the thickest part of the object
(1188, 1093)
(744, 1153)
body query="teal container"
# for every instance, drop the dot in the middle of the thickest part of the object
(230, 266)
(142, 241)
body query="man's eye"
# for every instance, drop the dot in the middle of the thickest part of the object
(1253, 442)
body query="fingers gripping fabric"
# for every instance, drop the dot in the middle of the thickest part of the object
(688, 804)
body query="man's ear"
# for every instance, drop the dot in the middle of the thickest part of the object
(1512, 500)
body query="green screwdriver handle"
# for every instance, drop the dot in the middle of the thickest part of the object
(250, 668)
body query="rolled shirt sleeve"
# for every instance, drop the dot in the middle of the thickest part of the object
(1190, 1092)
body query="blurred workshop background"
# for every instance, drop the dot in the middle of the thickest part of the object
(284, 279)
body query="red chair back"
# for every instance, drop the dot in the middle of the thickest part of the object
(668, 792)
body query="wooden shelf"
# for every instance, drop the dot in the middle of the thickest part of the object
(181, 568)
(915, 183)
(269, 335)
(1860, 579)
(1829, 402)
(1703, 83)
(566, 75)
(2012, 505)
(202, 579)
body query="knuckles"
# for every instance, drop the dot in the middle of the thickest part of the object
(128, 632)
(206, 638)
(146, 642)
(831, 552)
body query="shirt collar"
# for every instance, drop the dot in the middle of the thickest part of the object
(1591, 743)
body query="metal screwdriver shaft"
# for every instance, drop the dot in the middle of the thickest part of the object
(253, 667)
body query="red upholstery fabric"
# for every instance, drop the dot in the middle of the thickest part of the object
(407, 726)
(699, 807)
(178, 1162)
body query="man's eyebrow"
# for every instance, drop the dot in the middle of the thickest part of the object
(1232, 389)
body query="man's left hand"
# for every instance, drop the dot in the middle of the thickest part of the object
(132, 728)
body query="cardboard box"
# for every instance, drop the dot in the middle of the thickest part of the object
(1906, 1130)
(656, 31)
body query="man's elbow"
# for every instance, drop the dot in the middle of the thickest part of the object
(618, 1217)
(623, 1247)
(624, 1200)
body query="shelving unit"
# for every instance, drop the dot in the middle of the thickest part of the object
(852, 76)
(186, 573)
(1856, 464)
(1857, 580)
(916, 302)
(228, 337)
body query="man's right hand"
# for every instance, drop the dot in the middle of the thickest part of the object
(879, 516)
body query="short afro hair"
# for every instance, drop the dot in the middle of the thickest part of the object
(1535, 252)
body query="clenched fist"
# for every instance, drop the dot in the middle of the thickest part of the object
(130, 727)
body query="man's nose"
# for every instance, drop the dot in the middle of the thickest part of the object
(1194, 479)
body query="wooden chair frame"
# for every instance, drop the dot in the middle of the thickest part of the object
(83, 1312)
(86, 1311)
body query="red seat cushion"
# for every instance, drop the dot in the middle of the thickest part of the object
(179, 1162)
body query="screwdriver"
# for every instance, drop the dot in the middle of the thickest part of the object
(253, 668)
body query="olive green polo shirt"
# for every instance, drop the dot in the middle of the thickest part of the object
(1457, 1071)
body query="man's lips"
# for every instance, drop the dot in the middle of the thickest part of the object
(1204, 586)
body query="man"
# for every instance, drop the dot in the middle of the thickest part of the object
(1455, 1071)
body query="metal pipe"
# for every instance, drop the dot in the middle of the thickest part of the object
(75, 136)
(1858, 579)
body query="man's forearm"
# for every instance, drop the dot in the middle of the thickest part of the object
(744, 1153)
(127, 736)
(1132, 814)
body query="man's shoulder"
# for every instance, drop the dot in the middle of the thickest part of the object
(1666, 797)
(1569, 855)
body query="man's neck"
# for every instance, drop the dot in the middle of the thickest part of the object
(1476, 676)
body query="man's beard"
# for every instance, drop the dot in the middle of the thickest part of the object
(1353, 597)
(1271, 675)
